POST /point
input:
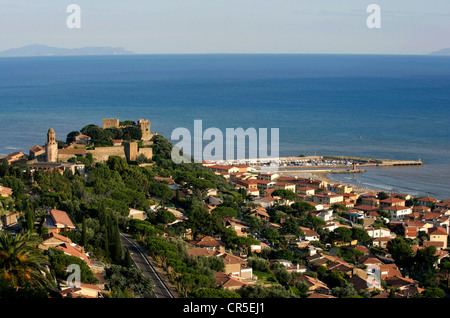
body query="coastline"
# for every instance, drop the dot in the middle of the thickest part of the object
(325, 176)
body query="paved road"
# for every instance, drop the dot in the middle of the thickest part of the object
(141, 261)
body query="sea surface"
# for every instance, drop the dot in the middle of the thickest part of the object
(379, 106)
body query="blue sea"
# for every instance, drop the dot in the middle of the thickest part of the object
(380, 106)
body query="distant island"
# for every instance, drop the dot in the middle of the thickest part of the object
(44, 50)
(445, 51)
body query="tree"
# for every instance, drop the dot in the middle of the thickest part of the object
(426, 258)
(401, 251)
(22, 262)
(285, 194)
(214, 293)
(360, 234)
(302, 207)
(161, 190)
(291, 227)
(383, 195)
(342, 234)
(165, 217)
(127, 259)
(71, 137)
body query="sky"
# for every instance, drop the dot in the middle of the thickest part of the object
(230, 26)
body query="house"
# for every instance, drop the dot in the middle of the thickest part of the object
(209, 243)
(381, 241)
(327, 198)
(309, 235)
(306, 191)
(260, 213)
(400, 282)
(267, 176)
(366, 208)
(214, 201)
(74, 250)
(421, 209)
(339, 188)
(53, 240)
(392, 202)
(389, 270)
(265, 202)
(361, 283)
(9, 218)
(137, 214)
(397, 211)
(35, 152)
(426, 201)
(58, 221)
(411, 229)
(82, 139)
(285, 186)
(309, 182)
(375, 232)
(257, 248)
(438, 234)
(265, 184)
(369, 260)
(224, 168)
(326, 215)
(238, 226)
(315, 285)
(235, 265)
(80, 290)
(370, 201)
(16, 157)
(228, 281)
(5, 192)
(251, 185)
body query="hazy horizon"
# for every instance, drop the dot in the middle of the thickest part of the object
(231, 27)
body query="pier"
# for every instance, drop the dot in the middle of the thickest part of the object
(318, 162)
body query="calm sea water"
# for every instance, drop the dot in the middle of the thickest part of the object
(380, 106)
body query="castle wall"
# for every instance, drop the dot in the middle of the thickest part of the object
(101, 154)
(147, 152)
(110, 123)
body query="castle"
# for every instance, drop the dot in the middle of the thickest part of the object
(144, 124)
(129, 150)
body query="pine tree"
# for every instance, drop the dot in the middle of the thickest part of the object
(127, 261)
(29, 216)
(117, 249)
(83, 232)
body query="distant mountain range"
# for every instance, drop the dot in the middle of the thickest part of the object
(44, 50)
(445, 51)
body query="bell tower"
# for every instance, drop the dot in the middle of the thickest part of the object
(51, 147)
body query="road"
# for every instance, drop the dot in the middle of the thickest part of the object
(141, 261)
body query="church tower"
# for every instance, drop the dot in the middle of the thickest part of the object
(52, 146)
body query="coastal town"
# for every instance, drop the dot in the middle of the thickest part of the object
(213, 230)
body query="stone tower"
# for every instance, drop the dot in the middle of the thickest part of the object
(51, 147)
(145, 128)
(131, 151)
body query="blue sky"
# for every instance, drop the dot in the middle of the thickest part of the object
(230, 26)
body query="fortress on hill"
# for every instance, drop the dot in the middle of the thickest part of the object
(130, 150)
